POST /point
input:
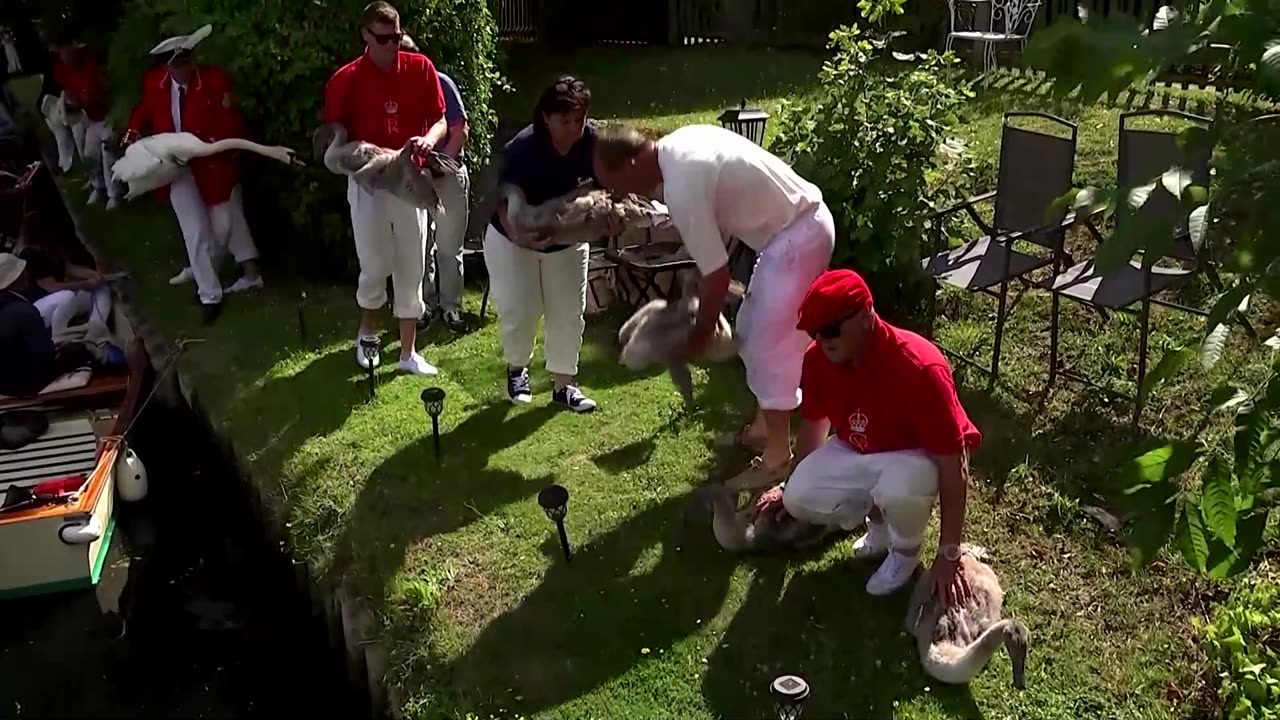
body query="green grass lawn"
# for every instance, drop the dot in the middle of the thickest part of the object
(480, 614)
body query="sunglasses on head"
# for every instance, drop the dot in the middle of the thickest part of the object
(570, 85)
(832, 330)
(384, 38)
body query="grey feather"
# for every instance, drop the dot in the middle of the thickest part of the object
(581, 215)
(377, 168)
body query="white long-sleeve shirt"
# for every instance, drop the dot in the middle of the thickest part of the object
(718, 184)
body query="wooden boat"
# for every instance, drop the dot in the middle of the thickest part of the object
(60, 544)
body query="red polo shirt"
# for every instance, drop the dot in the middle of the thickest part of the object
(385, 108)
(902, 397)
(83, 83)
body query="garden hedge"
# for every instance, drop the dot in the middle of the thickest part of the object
(280, 53)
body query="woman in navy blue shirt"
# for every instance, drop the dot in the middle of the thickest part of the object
(529, 280)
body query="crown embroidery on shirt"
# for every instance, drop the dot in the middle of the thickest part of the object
(391, 107)
(858, 422)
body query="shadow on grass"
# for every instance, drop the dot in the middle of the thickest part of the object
(549, 649)
(412, 497)
(849, 646)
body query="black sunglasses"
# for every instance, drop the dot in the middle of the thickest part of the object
(570, 85)
(832, 330)
(384, 38)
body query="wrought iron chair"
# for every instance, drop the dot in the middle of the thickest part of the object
(1144, 156)
(1035, 171)
(991, 23)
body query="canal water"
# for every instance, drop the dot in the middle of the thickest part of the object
(208, 621)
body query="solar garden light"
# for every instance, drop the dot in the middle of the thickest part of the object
(369, 347)
(746, 121)
(789, 694)
(302, 317)
(433, 403)
(554, 500)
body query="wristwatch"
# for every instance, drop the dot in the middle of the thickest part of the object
(950, 553)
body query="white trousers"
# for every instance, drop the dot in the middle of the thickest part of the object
(837, 485)
(66, 143)
(451, 231)
(528, 286)
(391, 241)
(209, 233)
(771, 347)
(60, 308)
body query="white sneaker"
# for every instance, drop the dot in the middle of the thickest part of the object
(415, 364)
(362, 362)
(874, 543)
(894, 572)
(113, 203)
(244, 284)
(181, 278)
(95, 197)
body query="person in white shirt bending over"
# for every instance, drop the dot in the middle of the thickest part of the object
(718, 184)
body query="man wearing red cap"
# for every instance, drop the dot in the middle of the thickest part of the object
(900, 437)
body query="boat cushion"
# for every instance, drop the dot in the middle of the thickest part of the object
(19, 427)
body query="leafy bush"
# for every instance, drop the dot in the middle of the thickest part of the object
(1218, 524)
(280, 53)
(1242, 641)
(870, 139)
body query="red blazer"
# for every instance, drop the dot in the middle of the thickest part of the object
(83, 83)
(208, 113)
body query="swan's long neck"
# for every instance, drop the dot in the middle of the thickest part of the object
(962, 666)
(234, 144)
(729, 526)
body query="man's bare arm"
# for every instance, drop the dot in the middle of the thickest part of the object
(457, 138)
(811, 435)
(712, 292)
(953, 482)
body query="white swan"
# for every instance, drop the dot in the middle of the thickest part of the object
(658, 331)
(578, 216)
(956, 642)
(377, 168)
(157, 160)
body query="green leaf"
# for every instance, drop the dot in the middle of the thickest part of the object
(1214, 343)
(1269, 66)
(1273, 342)
(1228, 303)
(1176, 180)
(1197, 222)
(1160, 465)
(1249, 440)
(1149, 531)
(1218, 501)
(1191, 538)
(1227, 562)
(1169, 365)
(1226, 397)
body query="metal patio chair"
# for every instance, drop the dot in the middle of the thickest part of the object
(1144, 155)
(990, 23)
(1035, 171)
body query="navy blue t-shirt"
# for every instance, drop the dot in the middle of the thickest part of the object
(531, 163)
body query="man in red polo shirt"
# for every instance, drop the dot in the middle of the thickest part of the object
(182, 96)
(900, 437)
(77, 71)
(392, 99)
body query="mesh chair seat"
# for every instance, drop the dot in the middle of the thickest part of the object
(979, 265)
(1117, 289)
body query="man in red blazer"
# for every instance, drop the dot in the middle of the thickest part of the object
(77, 71)
(182, 96)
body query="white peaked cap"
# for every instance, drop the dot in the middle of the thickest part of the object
(182, 42)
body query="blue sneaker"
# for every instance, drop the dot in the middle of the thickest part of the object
(518, 387)
(572, 398)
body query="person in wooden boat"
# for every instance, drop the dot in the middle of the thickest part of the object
(79, 71)
(532, 277)
(445, 257)
(390, 98)
(901, 438)
(717, 185)
(62, 291)
(30, 360)
(181, 95)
